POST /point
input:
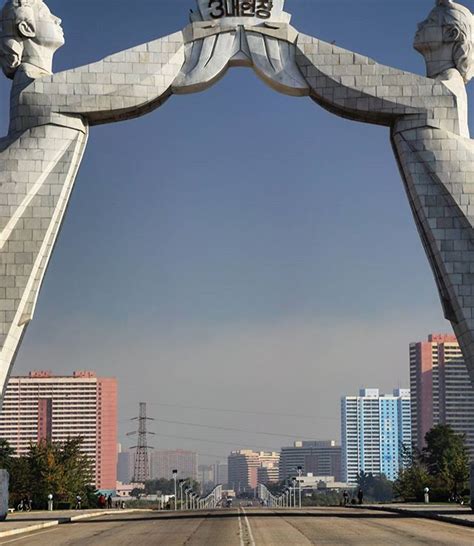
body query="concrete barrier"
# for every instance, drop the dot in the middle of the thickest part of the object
(59, 521)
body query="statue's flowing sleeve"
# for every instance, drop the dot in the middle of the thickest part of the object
(122, 86)
(358, 88)
(41, 155)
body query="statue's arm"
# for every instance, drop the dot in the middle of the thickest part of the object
(357, 87)
(125, 85)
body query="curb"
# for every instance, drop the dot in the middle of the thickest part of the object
(29, 529)
(420, 514)
(62, 521)
(72, 519)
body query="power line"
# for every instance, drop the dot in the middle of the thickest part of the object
(205, 440)
(231, 429)
(248, 412)
(213, 455)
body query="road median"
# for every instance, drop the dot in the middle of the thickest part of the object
(447, 514)
(37, 521)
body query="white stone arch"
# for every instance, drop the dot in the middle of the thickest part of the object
(51, 115)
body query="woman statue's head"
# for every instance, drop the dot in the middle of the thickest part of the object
(29, 36)
(445, 39)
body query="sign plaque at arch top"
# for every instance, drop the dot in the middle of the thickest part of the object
(243, 11)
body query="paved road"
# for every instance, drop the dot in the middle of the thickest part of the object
(253, 527)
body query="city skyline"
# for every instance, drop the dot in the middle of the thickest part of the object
(310, 444)
(239, 279)
(252, 221)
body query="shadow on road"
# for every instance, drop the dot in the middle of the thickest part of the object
(231, 515)
(467, 512)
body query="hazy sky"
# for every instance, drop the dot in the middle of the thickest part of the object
(236, 249)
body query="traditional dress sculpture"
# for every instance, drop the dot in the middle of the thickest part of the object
(51, 115)
(430, 138)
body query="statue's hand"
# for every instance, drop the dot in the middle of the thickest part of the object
(268, 49)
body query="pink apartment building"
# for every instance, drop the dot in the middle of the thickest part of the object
(441, 390)
(44, 406)
(245, 465)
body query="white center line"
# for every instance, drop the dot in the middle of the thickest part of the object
(241, 532)
(249, 529)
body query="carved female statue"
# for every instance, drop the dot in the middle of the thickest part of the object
(430, 137)
(49, 123)
(51, 114)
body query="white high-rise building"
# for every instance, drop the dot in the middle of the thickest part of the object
(374, 428)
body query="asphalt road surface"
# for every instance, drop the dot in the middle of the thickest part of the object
(252, 527)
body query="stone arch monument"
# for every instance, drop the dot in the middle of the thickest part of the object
(51, 115)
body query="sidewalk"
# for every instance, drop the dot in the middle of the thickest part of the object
(449, 513)
(26, 522)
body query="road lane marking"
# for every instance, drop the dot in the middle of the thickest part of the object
(241, 532)
(252, 541)
(245, 531)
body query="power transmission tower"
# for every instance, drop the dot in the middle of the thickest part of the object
(141, 471)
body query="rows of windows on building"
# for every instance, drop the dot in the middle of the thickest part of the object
(42, 406)
(376, 429)
(441, 389)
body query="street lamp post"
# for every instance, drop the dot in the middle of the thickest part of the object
(186, 493)
(300, 472)
(182, 483)
(175, 478)
(426, 491)
(293, 483)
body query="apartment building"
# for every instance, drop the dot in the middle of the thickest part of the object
(43, 406)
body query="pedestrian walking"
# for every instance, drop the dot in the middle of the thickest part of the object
(78, 502)
(360, 496)
(109, 502)
(345, 498)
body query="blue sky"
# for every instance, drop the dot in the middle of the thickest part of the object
(237, 248)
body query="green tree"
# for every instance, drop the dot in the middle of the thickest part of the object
(60, 469)
(412, 481)
(443, 466)
(276, 487)
(377, 488)
(166, 487)
(322, 498)
(447, 459)
(20, 480)
(6, 454)
(76, 469)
